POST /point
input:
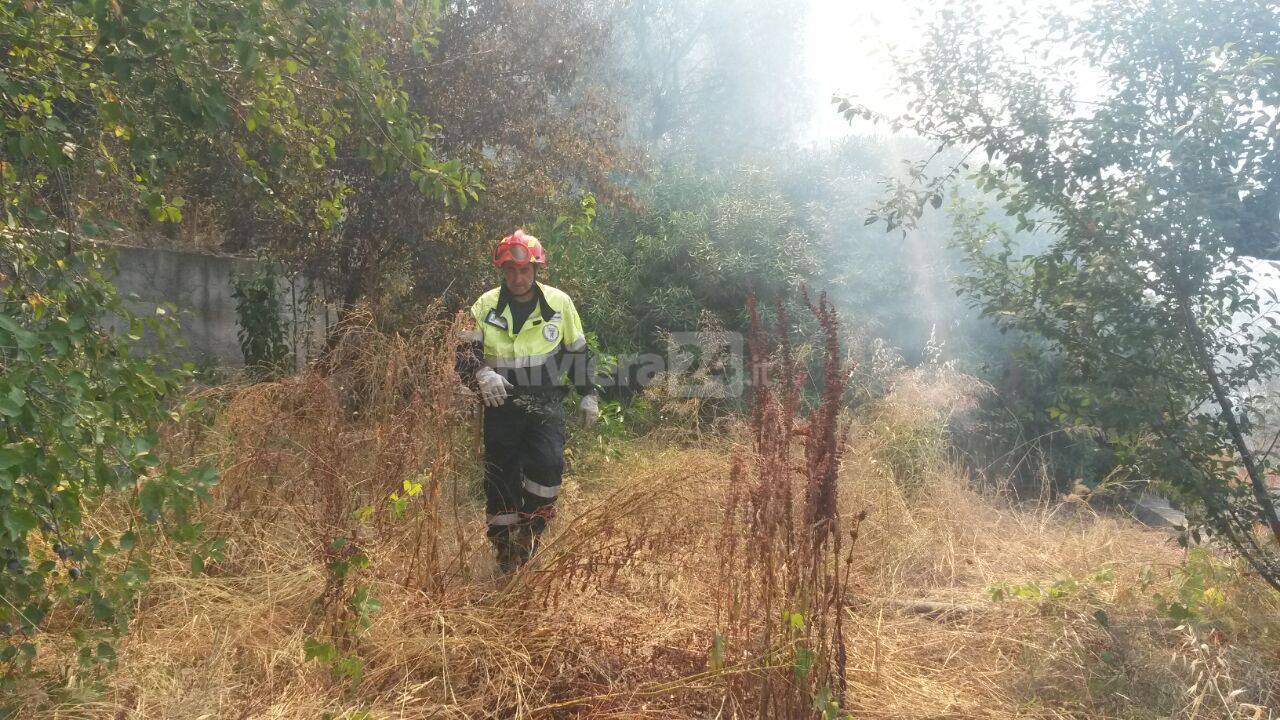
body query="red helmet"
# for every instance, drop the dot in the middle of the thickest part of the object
(520, 249)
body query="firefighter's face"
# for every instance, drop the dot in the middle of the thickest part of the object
(519, 278)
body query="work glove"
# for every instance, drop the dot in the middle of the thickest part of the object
(590, 410)
(493, 387)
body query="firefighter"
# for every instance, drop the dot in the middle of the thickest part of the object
(524, 351)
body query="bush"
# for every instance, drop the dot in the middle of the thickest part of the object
(907, 432)
(78, 418)
(261, 325)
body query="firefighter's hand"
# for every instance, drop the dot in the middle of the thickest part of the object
(590, 410)
(493, 387)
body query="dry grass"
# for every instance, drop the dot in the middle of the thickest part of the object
(616, 617)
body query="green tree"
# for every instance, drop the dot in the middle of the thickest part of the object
(698, 244)
(1148, 178)
(78, 412)
(532, 118)
(535, 118)
(105, 109)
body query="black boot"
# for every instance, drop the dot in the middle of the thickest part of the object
(508, 555)
(525, 542)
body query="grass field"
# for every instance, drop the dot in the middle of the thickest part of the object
(355, 581)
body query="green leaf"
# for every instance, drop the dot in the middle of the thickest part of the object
(12, 455)
(803, 663)
(323, 652)
(19, 521)
(825, 704)
(364, 604)
(350, 666)
(12, 403)
(151, 500)
(23, 338)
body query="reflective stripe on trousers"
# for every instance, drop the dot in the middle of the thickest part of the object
(524, 460)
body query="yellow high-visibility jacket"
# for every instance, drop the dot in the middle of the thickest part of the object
(550, 345)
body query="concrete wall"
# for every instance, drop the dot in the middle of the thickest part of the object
(200, 287)
(1264, 283)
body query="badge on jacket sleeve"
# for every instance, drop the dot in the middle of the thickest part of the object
(550, 332)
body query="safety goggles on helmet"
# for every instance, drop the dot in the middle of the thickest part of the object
(520, 249)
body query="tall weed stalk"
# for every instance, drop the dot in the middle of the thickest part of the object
(784, 558)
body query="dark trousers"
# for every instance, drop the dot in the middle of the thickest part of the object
(524, 462)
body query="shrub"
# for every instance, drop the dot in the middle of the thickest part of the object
(907, 432)
(78, 417)
(261, 330)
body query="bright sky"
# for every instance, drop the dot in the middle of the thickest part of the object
(847, 49)
(848, 45)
